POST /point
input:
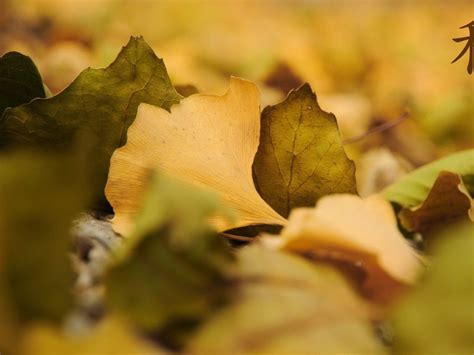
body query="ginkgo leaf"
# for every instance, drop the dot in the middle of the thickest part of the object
(413, 188)
(101, 102)
(447, 200)
(362, 232)
(300, 157)
(206, 140)
(20, 81)
(286, 305)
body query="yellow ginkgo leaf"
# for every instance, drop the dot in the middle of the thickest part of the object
(362, 232)
(206, 140)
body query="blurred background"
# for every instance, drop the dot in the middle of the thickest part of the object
(368, 61)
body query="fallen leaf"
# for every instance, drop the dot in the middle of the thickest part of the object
(20, 81)
(362, 232)
(414, 187)
(40, 196)
(102, 102)
(447, 200)
(174, 267)
(110, 336)
(286, 305)
(209, 141)
(438, 317)
(300, 157)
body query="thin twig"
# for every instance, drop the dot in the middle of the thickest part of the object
(238, 237)
(383, 127)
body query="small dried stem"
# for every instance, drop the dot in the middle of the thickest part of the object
(381, 128)
(238, 237)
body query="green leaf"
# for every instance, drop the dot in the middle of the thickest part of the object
(20, 81)
(102, 102)
(173, 268)
(39, 197)
(438, 317)
(300, 157)
(286, 305)
(413, 188)
(448, 200)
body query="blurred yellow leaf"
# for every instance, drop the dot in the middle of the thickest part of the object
(286, 305)
(362, 232)
(174, 268)
(110, 336)
(378, 168)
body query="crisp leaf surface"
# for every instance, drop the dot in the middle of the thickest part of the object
(209, 141)
(300, 157)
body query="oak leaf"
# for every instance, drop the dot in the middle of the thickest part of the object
(209, 141)
(362, 232)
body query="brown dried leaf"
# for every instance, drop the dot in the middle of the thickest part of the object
(447, 200)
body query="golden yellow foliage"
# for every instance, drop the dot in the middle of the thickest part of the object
(206, 140)
(362, 232)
